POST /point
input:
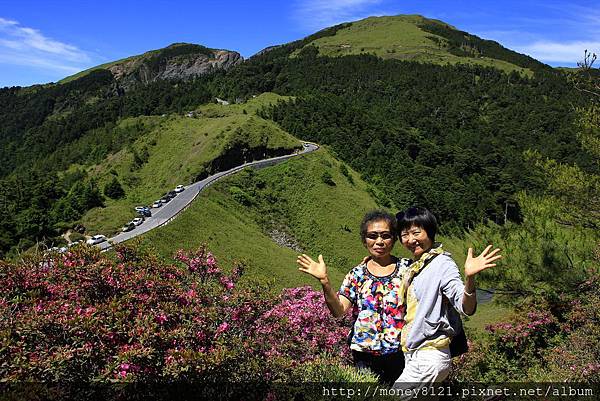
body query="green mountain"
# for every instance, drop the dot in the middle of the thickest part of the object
(177, 61)
(416, 38)
(419, 114)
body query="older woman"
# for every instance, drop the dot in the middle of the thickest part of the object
(372, 289)
(434, 295)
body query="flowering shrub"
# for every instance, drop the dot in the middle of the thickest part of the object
(89, 317)
(550, 340)
(577, 358)
(301, 326)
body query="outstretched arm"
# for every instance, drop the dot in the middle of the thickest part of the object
(337, 304)
(472, 267)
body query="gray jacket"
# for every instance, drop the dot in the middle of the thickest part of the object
(438, 289)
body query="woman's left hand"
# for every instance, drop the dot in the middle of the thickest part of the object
(483, 261)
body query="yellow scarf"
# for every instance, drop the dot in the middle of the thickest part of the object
(416, 267)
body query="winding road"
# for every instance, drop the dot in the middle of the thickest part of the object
(169, 211)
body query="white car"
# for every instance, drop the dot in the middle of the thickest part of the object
(179, 188)
(96, 239)
(156, 204)
(140, 208)
(137, 221)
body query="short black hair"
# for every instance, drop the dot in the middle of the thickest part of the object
(378, 215)
(419, 217)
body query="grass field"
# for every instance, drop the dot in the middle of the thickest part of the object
(487, 313)
(178, 148)
(320, 218)
(398, 37)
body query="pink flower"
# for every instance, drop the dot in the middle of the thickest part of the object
(226, 282)
(210, 260)
(161, 318)
(221, 329)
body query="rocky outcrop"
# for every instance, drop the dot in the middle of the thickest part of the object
(193, 67)
(282, 238)
(181, 61)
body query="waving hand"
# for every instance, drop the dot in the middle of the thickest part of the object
(316, 269)
(474, 265)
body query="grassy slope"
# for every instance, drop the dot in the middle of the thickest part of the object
(397, 37)
(314, 212)
(104, 66)
(178, 147)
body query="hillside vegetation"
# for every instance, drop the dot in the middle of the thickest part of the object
(268, 216)
(507, 158)
(449, 137)
(415, 38)
(180, 150)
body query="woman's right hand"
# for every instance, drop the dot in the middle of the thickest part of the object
(316, 269)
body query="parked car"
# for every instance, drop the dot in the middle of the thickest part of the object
(128, 227)
(96, 239)
(172, 194)
(179, 188)
(143, 210)
(137, 221)
(157, 203)
(165, 199)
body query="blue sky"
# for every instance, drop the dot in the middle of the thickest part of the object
(46, 40)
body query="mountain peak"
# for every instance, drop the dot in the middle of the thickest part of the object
(418, 38)
(176, 61)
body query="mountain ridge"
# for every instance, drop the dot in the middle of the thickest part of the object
(476, 121)
(403, 37)
(176, 61)
(417, 38)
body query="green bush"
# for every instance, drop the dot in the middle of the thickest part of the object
(75, 236)
(540, 255)
(327, 178)
(241, 196)
(346, 173)
(113, 189)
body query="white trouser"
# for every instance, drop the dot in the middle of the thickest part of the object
(423, 368)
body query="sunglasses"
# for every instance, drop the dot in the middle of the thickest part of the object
(385, 235)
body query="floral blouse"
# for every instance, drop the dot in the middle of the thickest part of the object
(376, 308)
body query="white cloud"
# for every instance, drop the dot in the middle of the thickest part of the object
(556, 52)
(317, 14)
(7, 22)
(25, 46)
